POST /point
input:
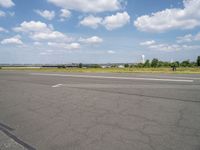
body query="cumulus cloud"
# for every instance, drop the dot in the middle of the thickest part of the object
(109, 22)
(91, 40)
(148, 42)
(64, 13)
(153, 45)
(188, 38)
(175, 18)
(91, 21)
(40, 31)
(6, 3)
(2, 13)
(49, 15)
(116, 21)
(13, 40)
(88, 5)
(69, 46)
(48, 35)
(3, 30)
(32, 26)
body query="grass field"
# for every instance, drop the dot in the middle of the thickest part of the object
(111, 70)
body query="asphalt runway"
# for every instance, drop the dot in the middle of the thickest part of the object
(99, 111)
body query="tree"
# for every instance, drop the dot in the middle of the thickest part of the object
(154, 62)
(147, 63)
(177, 63)
(185, 63)
(126, 65)
(80, 65)
(198, 61)
(140, 65)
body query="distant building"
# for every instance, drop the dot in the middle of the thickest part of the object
(120, 66)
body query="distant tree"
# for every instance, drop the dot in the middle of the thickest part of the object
(154, 63)
(185, 63)
(147, 63)
(114, 66)
(177, 63)
(126, 65)
(193, 64)
(140, 65)
(80, 65)
(95, 66)
(160, 64)
(198, 61)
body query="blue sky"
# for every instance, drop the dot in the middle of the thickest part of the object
(98, 31)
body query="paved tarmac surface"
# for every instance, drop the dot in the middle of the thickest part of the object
(71, 111)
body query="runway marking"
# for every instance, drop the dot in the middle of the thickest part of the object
(110, 77)
(57, 85)
(175, 77)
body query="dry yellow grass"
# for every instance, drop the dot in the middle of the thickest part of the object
(195, 70)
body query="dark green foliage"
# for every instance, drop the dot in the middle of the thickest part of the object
(154, 63)
(61, 66)
(140, 65)
(198, 61)
(114, 66)
(126, 65)
(185, 63)
(80, 65)
(95, 66)
(147, 64)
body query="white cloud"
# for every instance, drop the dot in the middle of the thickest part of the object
(37, 43)
(2, 13)
(111, 52)
(49, 15)
(73, 46)
(48, 36)
(109, 22)
(168, 47)
(32, 26)
(6, 3)
(13, 40)
(185, 38)
(148, 42)
(89, 5)
(40, 31)
(3, 30)
(116, 21)
(64, 13)
(188, 38)
(91, 21)
(70, 46)
(175, 18)
(91, 40)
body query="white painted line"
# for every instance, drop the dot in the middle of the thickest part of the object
(175, 77)
(109, 77)
(57, 85)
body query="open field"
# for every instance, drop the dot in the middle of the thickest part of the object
(99, 111)
(110, 70)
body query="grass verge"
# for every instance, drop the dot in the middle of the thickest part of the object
(195, 70)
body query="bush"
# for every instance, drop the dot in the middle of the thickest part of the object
(126, 65)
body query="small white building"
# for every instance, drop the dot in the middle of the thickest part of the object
(120, 66)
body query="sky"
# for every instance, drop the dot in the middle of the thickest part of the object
(98, 31)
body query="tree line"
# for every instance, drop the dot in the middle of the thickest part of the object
(155, 63)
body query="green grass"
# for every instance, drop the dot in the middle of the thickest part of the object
(111, 70)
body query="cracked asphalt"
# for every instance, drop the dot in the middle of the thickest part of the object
(99, 113)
